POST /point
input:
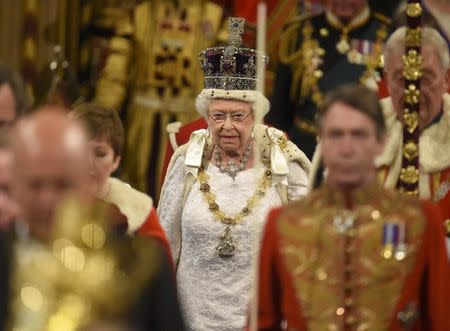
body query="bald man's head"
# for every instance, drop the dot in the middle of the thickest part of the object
(50, 161)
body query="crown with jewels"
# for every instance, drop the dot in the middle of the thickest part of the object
(231, 67)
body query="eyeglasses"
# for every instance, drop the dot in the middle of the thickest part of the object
(234, 117)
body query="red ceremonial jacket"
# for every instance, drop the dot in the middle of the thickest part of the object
(325, 265)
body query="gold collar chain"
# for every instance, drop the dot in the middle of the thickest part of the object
(226, 247)
(210, 198)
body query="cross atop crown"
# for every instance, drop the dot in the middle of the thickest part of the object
(235, 31)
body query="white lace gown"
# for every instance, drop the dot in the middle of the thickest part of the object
(215, 291)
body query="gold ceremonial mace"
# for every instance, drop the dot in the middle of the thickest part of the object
(412, 72)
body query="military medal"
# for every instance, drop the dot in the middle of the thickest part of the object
(402, 248)
(394, 241)
(390, 232)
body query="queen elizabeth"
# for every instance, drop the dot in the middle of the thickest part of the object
(220, 186)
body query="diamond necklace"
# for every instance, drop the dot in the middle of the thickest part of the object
(232, 168)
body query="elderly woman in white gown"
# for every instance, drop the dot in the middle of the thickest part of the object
(219, 188)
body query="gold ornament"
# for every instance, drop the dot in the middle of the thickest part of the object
(282, 142)
(382, 34)
(412, 65)
(317, 97)
(412, 95)
(413, 37)
(387, 251)
(343, 46)
(409, 192)
(29, 49)
(213, 206)
(226, 246)
(411, 120)
(410, 150)
(318, 73)
(310, 60)
(381, 61)
(414, 9)
(324, 32)
(409, 175)
(204, 187)
(308, 29)
(355, 57)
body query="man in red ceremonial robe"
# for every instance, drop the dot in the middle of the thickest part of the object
(353, 255)
(433, 122)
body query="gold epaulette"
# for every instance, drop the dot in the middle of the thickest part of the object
(382, 18)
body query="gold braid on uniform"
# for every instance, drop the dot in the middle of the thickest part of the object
(305, 61)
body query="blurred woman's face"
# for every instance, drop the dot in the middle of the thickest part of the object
(231, 123)
(102, 163)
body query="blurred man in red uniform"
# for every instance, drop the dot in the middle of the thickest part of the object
(353, 255)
